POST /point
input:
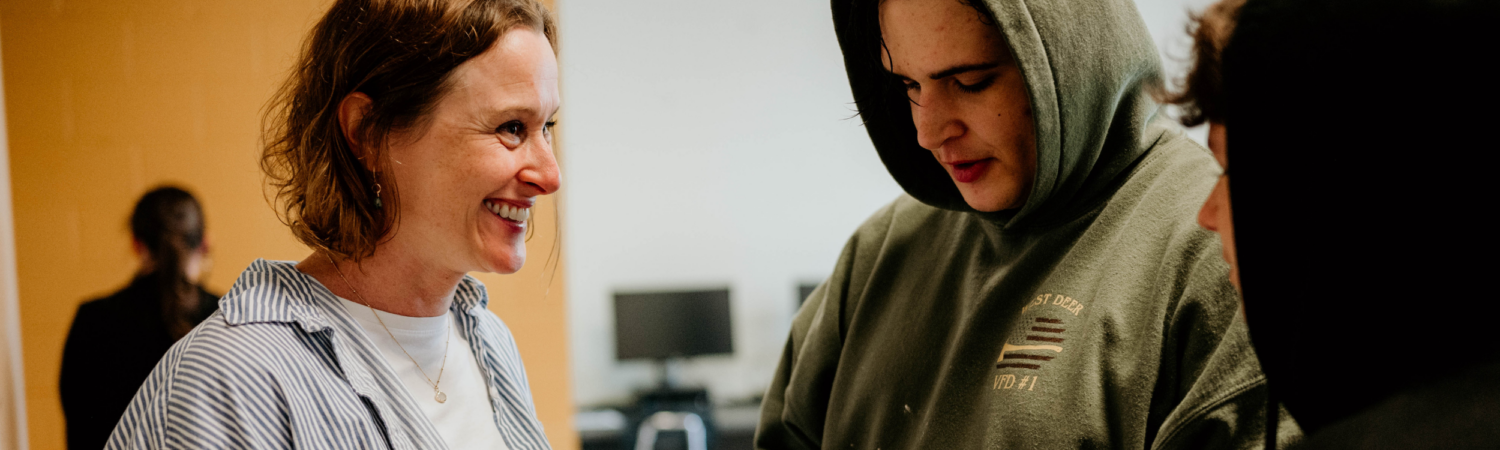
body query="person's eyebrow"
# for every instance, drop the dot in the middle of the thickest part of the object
(517, 110)
(955, 70)
(951, 71)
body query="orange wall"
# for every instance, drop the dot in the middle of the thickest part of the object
(106, 98)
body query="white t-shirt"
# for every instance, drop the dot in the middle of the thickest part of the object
(465, 419)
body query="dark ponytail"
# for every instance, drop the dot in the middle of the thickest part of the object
(168, 222)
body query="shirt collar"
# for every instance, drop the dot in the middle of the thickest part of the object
(275, 291)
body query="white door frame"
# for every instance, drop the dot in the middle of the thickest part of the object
(12, 378)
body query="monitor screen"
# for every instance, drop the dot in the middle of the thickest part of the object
(669, 324)
(804, 291)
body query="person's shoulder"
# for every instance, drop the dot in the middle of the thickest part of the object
(266, 317)
(1175, 176)
(119, 300)
(250, 371)
(101, 308)
(263, 278)
(903, 219)
(117, 312)
(273, 292)
(1155, 212)
(1165, 192)
(216, 341)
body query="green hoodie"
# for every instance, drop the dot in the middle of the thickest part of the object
(1099, 315)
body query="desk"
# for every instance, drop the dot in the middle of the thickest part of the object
(605, 429)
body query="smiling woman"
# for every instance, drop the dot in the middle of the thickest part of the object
(407, 148)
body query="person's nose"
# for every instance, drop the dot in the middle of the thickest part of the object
(541, 171)
(936, 121)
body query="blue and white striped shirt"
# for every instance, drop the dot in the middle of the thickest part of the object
(283, 365)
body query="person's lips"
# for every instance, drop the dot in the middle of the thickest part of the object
(968, 170)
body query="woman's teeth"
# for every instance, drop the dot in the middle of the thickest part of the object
(507, 211)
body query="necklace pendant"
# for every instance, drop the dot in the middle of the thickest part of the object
(441, 397)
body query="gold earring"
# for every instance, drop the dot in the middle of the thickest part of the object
(378, 205)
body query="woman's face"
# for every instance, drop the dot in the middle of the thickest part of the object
(469, 179)
(1216, 214)
(969, 102)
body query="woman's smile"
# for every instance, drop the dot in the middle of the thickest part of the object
(508, 211)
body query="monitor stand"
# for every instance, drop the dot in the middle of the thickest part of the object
(668, 374)
(675, 399)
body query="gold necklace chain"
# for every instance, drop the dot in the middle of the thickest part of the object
(437, 394)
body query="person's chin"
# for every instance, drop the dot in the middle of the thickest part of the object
(509, 260)
(506, 266)
(503, 257)
(984, 203)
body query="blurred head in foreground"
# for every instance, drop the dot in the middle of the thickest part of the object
(1336, 119)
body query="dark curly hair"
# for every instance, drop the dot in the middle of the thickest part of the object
(1202, 94)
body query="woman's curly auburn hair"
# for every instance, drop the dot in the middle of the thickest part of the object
(401, 54)
(1202, 94)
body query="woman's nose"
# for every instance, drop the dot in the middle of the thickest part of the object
(935, 121)
(541, 171)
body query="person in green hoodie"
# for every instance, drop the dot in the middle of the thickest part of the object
(1044, 283)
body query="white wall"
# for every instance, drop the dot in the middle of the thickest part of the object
(12, 386)
(1166, 20)
(711, 143)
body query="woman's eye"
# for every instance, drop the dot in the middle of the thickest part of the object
(511, 133)
(976, 87)
(513, 127)
(549, 127)
(913, 90)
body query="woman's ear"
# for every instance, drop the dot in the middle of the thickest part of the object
(352, 111)
(142, 256)
(203, 246)
(199, 263)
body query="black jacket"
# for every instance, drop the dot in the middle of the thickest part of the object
(114, 343)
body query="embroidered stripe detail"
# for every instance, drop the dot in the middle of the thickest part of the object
(1017, 366)
(1034, 357)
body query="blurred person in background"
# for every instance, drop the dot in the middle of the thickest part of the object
(407, 149)
(116, 340)
(1045, 283)
(1347, 218)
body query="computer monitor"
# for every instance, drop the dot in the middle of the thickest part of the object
(672, 324)
(805, 290)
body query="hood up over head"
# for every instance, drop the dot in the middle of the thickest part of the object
(1356, 131)
(1086, 65)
